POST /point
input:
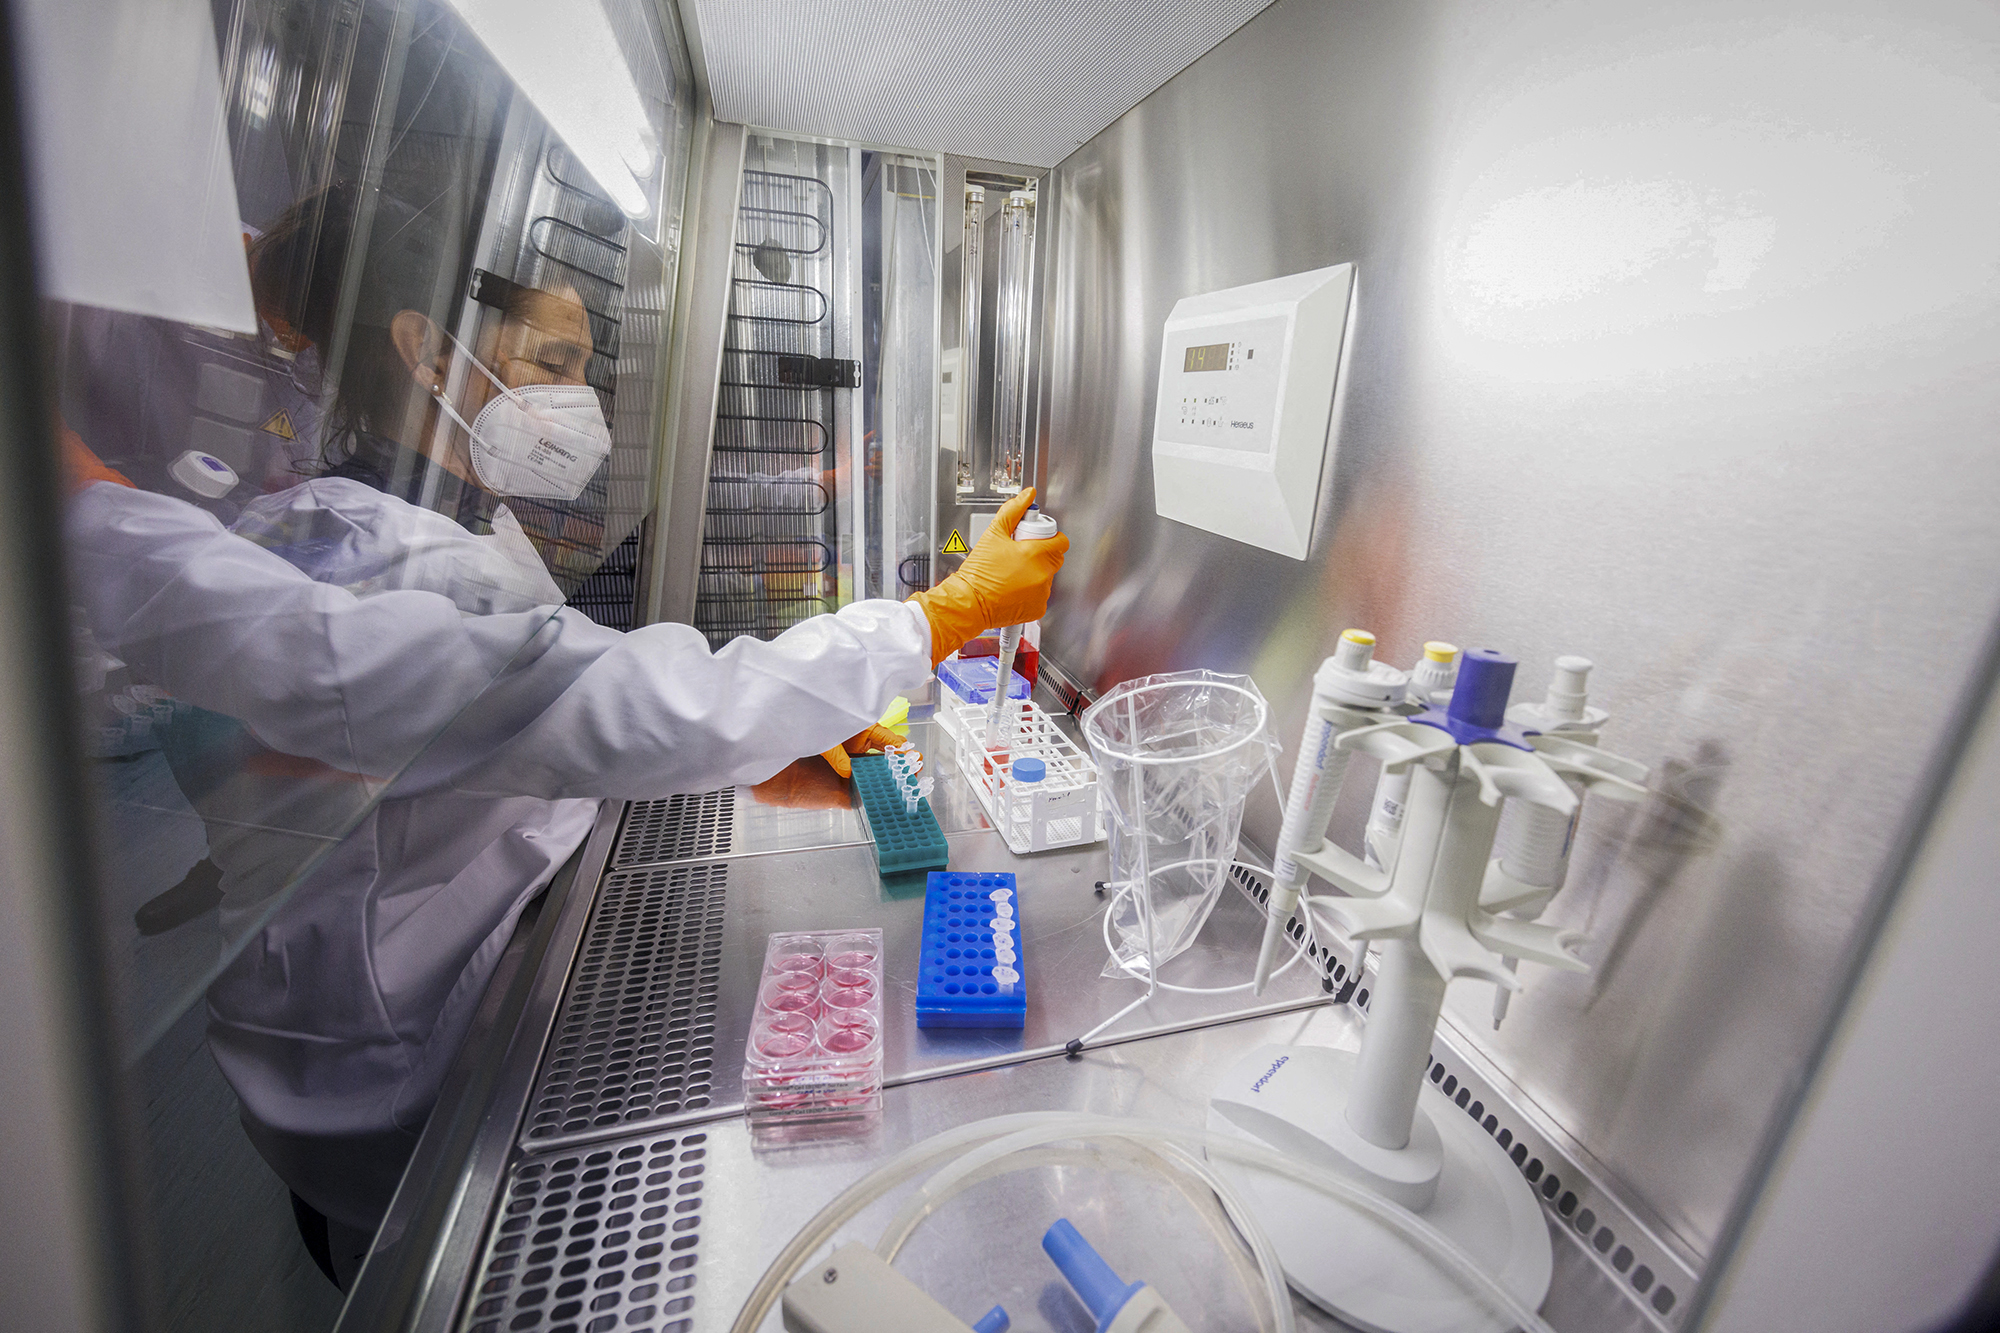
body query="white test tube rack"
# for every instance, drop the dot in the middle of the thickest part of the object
(1058, 811)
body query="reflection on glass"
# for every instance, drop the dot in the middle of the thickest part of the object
(581, 82)
(324, 575)
(302, 559)
(779, 532)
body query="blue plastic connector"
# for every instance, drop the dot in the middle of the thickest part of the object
(1478, 709)
(1102, 1292)
(1485, 679)
(993, 1321)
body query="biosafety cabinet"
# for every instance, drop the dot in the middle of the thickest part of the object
(364, 357)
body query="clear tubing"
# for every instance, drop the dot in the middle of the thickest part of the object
(850, 1201)
(976, 1165)
(1410, 1227)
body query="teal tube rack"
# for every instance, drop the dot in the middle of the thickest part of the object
(905, 843)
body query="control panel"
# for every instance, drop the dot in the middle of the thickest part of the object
(1226, 396)
(1246, 387)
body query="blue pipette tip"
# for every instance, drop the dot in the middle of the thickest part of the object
(993, 1321)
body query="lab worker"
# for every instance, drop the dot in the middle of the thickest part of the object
(420, 652)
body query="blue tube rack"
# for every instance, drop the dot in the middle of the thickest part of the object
(905, 843)
(962, 979)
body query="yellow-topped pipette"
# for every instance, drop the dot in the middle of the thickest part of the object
(1351, 689)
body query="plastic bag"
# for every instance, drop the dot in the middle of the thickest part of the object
(1177, 756)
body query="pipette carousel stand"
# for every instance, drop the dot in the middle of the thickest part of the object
(1435, 916)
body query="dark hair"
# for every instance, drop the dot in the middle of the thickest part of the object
(296, 270)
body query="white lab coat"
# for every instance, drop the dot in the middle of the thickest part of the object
(348, 627)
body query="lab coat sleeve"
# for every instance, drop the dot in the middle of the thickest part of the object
(362, 684)
(403, 685)
(654, 711)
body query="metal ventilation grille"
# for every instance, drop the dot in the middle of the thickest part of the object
(770, 532)
(591, 1241)
(608, 596)
(635, 1037)
(680, 828)
(576, 240)
(1651, 1275)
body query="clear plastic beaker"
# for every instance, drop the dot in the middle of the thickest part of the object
(1177, 755)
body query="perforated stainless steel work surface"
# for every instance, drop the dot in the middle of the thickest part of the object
(679, 828)
(593, 1240)
(635, 1037)
(599, 1212)
(1144, 1227)
(803, 808)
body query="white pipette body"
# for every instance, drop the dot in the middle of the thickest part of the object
(1034, 526)
(1350, 690)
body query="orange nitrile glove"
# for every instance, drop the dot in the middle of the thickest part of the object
(875, 738)
(81, 465)
(803, 785)
(1002, 582)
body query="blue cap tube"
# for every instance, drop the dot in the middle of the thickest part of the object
(993, 1321)
(1100, 1289)
(1485, 679)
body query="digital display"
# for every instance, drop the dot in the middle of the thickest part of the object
(1215, 356)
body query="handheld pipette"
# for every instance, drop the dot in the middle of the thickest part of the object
(1034, 526)
(1350, 690)
(1534, 842)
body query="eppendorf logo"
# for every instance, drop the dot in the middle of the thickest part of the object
(1270, 1073)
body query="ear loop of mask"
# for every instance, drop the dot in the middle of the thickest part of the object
(437, 391)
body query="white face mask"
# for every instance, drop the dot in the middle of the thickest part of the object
(539, 442)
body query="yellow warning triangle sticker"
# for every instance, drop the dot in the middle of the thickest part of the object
(955, 544)
(280, 425)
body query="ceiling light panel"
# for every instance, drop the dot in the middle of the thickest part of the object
(1024, 82)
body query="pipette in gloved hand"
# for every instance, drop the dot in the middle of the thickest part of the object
(1002, 582)
(1034, 527)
